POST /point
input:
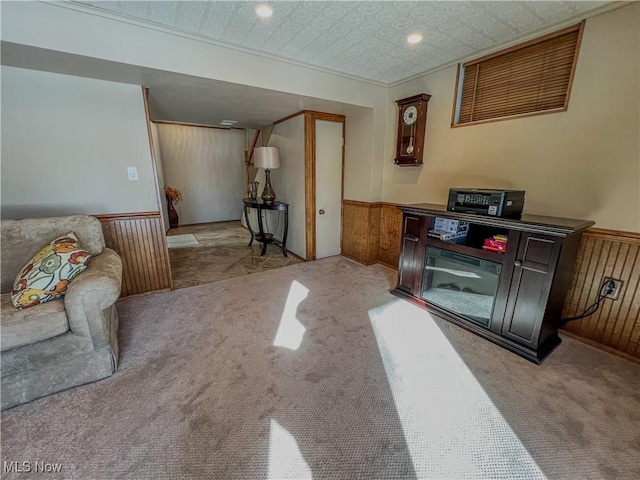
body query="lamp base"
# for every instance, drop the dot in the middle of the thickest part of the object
(268, 195)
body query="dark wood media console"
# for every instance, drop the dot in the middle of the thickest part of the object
(514, 298)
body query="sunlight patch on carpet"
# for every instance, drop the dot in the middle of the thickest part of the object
(184, 240)
(291, 331)
(285, 458)
(452, 428)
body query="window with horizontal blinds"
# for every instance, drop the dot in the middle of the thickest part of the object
(527, 79)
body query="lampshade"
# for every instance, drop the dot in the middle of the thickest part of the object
(266, 157)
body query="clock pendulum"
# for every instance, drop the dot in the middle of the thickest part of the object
(410, 146)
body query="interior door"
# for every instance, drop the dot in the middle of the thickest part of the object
(329, 143)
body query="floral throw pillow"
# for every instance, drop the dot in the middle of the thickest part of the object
(49, 272)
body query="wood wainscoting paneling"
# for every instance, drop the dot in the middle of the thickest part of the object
(371, 232)
(358, 232)
(374, 233)
(616, 324)
(140, 241)
(390, 235)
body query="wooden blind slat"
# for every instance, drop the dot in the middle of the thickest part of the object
(552, 71)
(523, 107)
(556, 100)
(530, 97)
(531, 56)
(502, 94)
(508, 70)
(530, 79)
(529, 73)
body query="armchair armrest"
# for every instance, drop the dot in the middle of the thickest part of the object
(90, 293)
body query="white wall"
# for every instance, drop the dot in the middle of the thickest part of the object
(288, 181)
(67, 143)
(207, 166)
(583, 163)
(69, 28)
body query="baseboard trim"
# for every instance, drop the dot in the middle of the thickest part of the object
(394, 267)
(599, 346)
(206, 223)
(351, 257)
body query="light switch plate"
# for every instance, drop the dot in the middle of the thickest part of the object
(132, 173)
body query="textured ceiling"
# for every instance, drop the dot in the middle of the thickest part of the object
(362, 39)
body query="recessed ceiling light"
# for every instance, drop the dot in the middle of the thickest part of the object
(228, 123)
(264, 11)
(414, 38)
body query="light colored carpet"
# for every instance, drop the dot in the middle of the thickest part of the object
(183, 240)
(359, 384)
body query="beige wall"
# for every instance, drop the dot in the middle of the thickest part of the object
(66, 145)
(207, 166)
(583, 163)
(358, 149)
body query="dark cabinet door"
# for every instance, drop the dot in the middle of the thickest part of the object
(412, 254)
(530, 285)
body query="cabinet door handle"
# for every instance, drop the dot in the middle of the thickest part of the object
(517, 263)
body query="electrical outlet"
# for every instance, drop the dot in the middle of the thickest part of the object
(616, 289)
(132, 173)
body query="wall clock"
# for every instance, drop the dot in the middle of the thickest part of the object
(412, 122)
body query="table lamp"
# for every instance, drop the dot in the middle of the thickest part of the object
(269, 159)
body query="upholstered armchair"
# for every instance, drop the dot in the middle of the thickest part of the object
(63, 343)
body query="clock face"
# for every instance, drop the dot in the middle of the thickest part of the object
(410, 115)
